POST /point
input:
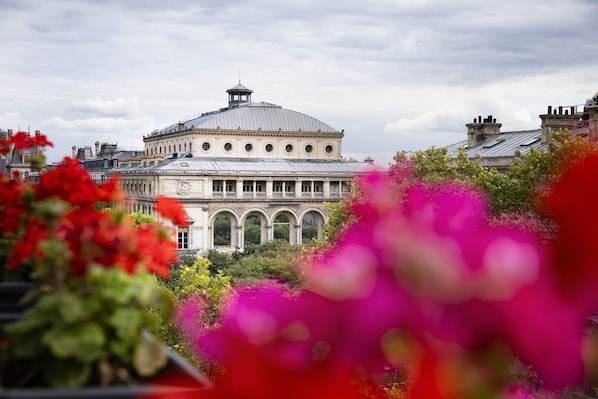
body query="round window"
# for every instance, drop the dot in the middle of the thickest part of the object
(289, 148)
(205, 146)
(228, 147)
(248, 147)
(329, 149)
(309, 148)
(269, 147)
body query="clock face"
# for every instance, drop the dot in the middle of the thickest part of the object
(183, 188)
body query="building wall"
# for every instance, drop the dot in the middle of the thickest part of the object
(203, 203)
(235, 144)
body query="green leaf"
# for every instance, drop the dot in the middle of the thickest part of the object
(150, 356)
(126, 322)
(82, 341)
(72, 308)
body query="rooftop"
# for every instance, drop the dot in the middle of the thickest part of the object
(503, 145)
(245, 166)
(244, 114)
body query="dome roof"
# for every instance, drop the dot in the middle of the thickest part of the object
(254, 116)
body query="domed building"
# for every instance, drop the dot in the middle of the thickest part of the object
(246, 173)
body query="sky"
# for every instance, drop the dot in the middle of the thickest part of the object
(395, 75)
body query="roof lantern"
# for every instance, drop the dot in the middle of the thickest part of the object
(238, 95)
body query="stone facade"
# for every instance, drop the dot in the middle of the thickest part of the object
(246, 165)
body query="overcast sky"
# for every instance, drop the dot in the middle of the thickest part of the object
(393, 74)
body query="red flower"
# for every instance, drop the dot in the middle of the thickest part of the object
(172, 209)
(69, 182)
(571, 201)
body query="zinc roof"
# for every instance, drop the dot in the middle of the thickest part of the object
(254, 116)
(503, 145)
(253, 166)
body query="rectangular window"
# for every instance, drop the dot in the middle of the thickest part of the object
(217, 186)
(247, 186)
(183, 238)
(231, 186)
(306, 187)
(334, 187)
(260, 186)
(277, 186)
(289, 186)
(318, 186)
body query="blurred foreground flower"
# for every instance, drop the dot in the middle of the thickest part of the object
(420, 281)
(91, 272)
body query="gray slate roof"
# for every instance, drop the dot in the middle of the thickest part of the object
(503, 145)
(257, 166)
(254, 116)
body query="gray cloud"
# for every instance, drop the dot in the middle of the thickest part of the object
(401, 75)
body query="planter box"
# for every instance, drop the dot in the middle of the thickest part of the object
(185, 382)
(10, 307)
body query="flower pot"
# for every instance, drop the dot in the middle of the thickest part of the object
(11, 307)
(179, 379)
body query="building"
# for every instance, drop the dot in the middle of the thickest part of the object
(493, 148)
(250, 166)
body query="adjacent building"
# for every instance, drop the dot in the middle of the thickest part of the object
(493, 148)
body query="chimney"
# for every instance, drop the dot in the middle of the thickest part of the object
(74, 151)
(97, 143)
(369, 160)
(482, 130)
(559, 119)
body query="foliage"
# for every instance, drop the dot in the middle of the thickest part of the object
(191, 279)
(252, 232)
(274, 260)
(222, 231)
(221, 260)
(95, 321)
(92, 271)
(140, 218)
(338, 218)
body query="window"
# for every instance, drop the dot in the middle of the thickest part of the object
(231, 186)
(247, 186)
(309, 148)
(277, 186)
(346, 187)
(289, 148)
(248, 147)
(217, 186)
(269, 147)
(289, 187)
(306, 187)
(334, 187)
(318, 186)
(228, 147)
(260, 186)
(183, 238)
(329, 149)
(205, 146)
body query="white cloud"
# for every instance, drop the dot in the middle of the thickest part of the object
(112, 108)
(427, 122)
(410, 74)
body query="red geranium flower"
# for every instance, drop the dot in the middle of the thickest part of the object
(172, 209)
